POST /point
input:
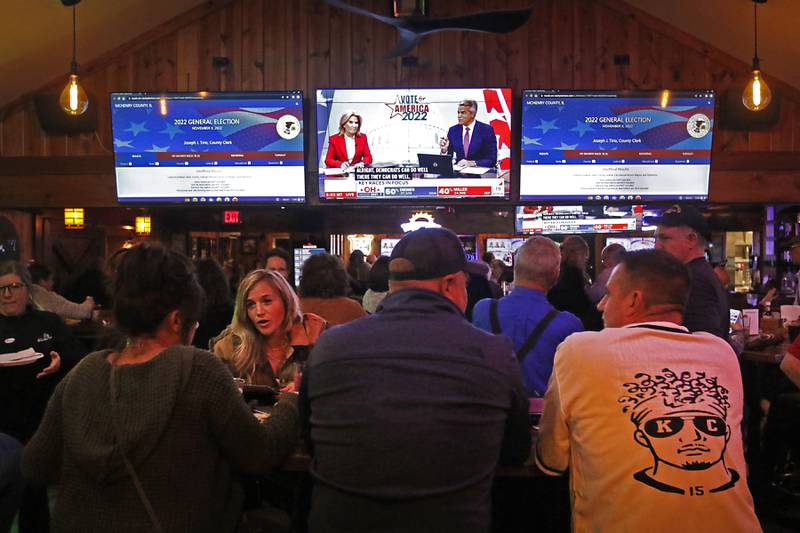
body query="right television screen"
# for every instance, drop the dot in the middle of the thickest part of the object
(616, 145)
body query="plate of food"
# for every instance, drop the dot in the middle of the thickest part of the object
(23, 357)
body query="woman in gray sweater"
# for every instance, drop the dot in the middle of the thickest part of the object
(152, 437)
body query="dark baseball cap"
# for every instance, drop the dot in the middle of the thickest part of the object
(685, 215)
(427, 253)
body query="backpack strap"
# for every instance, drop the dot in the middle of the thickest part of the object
(493, 317)
(128, 466)
(533, 338)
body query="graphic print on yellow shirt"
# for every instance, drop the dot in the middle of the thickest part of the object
(681, 419)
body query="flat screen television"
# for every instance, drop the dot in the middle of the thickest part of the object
(612, 145)
(504, 248)
(470, 245)
(560, 219)
(209, 147)
(387, 245)
(397, 151)
(300, 256)
(633, 244)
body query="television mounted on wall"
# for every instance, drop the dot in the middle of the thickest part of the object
(209, 148)
(411, 143)
(616, 145)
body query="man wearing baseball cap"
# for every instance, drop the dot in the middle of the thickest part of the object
(684, 233)
(408, 410)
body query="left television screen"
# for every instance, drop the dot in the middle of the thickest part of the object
(209, 147)
(378, 144)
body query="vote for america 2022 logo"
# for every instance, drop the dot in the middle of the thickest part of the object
(409, 107)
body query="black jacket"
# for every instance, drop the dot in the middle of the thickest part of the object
(23, 397)
(409, 411)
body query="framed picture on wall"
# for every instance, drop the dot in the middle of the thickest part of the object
(249, 245)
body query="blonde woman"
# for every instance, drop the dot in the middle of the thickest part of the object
(349, 147)
(269, 336)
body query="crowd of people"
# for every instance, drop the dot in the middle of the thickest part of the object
(410, 379)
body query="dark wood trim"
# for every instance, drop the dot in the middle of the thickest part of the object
(744, 186)
(758, 161)
(38, 191)
(31, 166)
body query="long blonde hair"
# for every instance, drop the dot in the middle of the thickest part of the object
(251, 348)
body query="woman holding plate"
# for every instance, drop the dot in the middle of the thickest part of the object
(32, 346)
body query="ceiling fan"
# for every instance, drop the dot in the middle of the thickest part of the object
(412, 28)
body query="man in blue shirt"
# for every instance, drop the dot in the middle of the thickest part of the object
(535, 327)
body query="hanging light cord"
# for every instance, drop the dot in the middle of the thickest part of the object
(74, 40)
(755, 34)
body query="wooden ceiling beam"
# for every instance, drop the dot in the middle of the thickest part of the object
(56, 165)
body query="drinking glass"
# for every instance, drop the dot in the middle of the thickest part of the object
(752, 299)
(746, 322)
(289, 372)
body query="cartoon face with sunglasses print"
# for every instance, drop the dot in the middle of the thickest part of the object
(681, 419)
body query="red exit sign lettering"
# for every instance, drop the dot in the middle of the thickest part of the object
(232, 217)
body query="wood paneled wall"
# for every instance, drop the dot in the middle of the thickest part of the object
(24, 224)
(305, 44)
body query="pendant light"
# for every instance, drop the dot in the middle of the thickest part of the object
(73, 98)
(757, 94)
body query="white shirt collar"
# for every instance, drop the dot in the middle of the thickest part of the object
(663, 324)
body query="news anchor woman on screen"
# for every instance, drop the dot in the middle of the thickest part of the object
(349, 147)
(473, 142)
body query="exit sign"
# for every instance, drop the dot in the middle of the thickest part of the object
(232, 217)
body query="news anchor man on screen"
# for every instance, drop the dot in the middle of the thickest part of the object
(349, 147)
(473, 142)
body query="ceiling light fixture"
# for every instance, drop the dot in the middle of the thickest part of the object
(757, 95)
(73, 98)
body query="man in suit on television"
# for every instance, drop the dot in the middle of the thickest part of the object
(473, 142)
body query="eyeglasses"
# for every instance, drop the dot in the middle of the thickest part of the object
(11, 287)
(666, 426)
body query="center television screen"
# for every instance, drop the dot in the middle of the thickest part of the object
(609, 145)
(376, 144)
(209, 147)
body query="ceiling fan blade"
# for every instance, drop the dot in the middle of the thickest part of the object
(406, 42)
(485, 21)
(361, 11)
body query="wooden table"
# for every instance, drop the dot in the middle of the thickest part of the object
(770, 354)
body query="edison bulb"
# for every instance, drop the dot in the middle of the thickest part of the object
(757, 94)
(73, 98)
